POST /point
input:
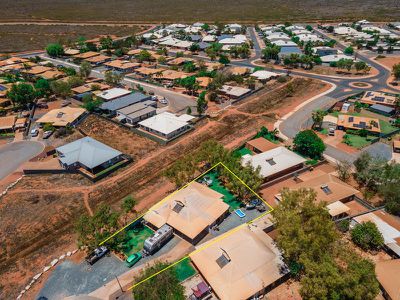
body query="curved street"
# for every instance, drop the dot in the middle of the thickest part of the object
(15, 154)
(342, 88)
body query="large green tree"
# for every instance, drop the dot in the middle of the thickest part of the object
(164, 286)
(308, 143)
(310, 244)
(21, 94)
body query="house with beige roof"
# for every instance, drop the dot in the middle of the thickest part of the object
(374, 97)
(191, 212)
(7, 124)
(357, 122)
(65, 116)
(243, 265)
(329, 189)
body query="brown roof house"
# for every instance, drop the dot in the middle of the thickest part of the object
(260, 145)
(387, 273)
(331, 190)
(63, 116)
(190, 211)
(242, 265)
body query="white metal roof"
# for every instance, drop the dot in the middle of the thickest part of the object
(273, 161)
(334, 57)
(113, 93)
(262, 74)
(166, 122)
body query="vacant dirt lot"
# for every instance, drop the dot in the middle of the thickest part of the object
(62, 200)
(15, 38)
(200, 10)
(283, 96)
(118, 137)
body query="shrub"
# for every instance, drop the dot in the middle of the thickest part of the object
(344, 225)
(367, 236)
(308, 143)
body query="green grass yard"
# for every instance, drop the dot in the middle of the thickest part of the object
(243, 151)
(217, 186)
(135, 237)
(184, 270)
(386, 128)
(357, 141)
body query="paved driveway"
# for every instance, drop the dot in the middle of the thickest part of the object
(70, 278)
(14, 154)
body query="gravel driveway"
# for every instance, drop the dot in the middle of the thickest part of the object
(15, 154)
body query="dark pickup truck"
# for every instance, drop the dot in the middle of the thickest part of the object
(96, 254)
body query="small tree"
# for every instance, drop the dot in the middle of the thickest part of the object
(308, 143)
(318, 117)
(55, 50)
(396, 71)
(201, 103)
(367, 236)
(223, 59)
(112, 78)
(349, 50)
(61, 88)
(128, 203)
(42, 87)
(343, 169)
(189, 110)
(85, 69)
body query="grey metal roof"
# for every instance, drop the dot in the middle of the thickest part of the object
(141, 112)
(124, 101)
(135, 107)
(382, 108)
(87, 151)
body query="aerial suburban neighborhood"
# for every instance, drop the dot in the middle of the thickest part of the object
(200, 160)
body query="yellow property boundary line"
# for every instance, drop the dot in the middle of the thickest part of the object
(208, 244)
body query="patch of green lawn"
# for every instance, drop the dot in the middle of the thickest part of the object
(243, 151)
(135, 237)
(217, 186)
(357, 141)
(184, 270)
(386, 128)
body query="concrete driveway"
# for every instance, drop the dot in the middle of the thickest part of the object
(15, 154)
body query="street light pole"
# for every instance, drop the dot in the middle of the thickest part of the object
(119, 284)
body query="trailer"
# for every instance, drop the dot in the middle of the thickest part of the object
(158, 239)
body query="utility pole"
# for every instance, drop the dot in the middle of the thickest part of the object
(119, 284)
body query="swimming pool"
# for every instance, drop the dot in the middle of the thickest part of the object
(240, 213)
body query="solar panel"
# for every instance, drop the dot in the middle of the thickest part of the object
(178, 207)
(379, 99)
(222, 261)
(351, 119)
(363, 124)
(326, 189)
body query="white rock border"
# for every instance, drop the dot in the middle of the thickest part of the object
(46, 268)
(11, 185)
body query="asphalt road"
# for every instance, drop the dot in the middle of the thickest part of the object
(14, 154)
